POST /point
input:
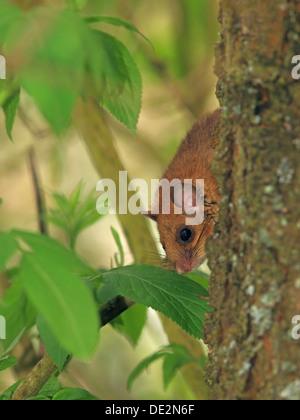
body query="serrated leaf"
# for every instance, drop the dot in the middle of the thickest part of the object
(57, 109)
(131, 323)
(121, 94)
(104, 292)
(74, 213)
(7, 362)
(175, 296)
(19, 315)
(53, 77)
(64, 301)
(51, 388)
(174, 355)
(8, 247)
(10, 109)
(116, 22)
(58, 354)
(74, 394)
(71, 60)
(49, 248)
(171, 365)
(143, 366)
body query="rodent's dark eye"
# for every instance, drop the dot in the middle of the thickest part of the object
(186, 235)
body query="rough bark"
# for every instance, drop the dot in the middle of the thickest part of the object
(255, 252)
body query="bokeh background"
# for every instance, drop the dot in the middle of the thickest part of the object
(179, 87)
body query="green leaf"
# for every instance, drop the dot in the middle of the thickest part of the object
(174, 355)
(119, 245)
(121, 94)
(199, 277)
(8, 247)
(175, 296)
(75, 197)
(143, 366)
(54, 349)
(49, 249)
(10, 19)
(171, 365)
(76, 4)
(10, 109)
(94, 283)
(57, 109)
(64, 301)
(132, 323)
(104, 292)
(72, 60)
(74, 394)
(51, 388)
(6, 396)
(74, 213)
(54, 75)
(7, 362)
(116, 22)
(19, 315)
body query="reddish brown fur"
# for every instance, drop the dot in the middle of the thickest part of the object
(192, 161)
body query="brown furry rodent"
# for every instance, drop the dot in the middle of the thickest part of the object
(184, 244)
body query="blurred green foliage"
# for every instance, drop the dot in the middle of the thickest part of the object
(174, 355)
(73, 214)
(87, 58)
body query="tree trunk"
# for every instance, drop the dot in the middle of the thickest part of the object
(255, 253)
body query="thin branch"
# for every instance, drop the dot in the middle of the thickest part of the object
(29, 356)
(136, 231)
(46, 367)
(38, 133)
(113, 309)
(39, 196)
(36, 379)
(90, 121)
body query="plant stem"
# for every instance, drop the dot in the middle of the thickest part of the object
(36, 379)
(39, 196)
(90, 121)
(46, 366)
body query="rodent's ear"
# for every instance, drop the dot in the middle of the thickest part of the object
(186, 197)
(150, 215)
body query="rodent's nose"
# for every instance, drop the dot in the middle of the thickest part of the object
(184, 267)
